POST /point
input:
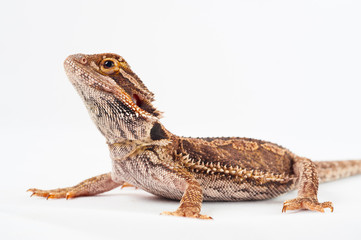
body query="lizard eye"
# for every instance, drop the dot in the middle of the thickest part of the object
(109, 66)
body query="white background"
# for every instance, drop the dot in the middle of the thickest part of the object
(283, 71)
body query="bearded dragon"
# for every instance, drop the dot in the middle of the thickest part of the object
(148, 156)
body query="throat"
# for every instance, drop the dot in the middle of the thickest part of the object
(130, 148)
(122, 149)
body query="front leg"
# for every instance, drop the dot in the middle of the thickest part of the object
(89, 187)
(306, 173)
(191, 202)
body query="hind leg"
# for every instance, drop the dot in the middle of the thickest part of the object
(307, 180)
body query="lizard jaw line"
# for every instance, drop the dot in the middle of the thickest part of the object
(80, 76)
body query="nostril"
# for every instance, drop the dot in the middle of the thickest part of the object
(83, 60)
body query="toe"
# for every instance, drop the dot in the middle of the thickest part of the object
(328, 205)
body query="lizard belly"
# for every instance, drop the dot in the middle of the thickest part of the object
(216, 188)
(154, 179)
(151, 178)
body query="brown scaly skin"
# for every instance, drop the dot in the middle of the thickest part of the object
(148, 156)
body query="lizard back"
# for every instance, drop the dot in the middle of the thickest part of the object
(240, 168)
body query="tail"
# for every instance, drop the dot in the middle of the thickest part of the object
(333, 170)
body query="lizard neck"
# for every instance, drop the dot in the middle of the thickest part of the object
(158, 136)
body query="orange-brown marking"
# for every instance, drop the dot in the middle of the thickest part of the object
(244, 145)
(273, 148)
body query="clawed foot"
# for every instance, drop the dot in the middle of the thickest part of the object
(306, 203)
(187, 212)
(54, 193)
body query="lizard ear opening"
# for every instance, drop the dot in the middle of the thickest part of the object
(137, 100)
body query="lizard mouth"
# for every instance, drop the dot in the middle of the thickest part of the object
(81, 74)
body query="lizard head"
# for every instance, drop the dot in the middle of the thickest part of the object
(117, 100)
